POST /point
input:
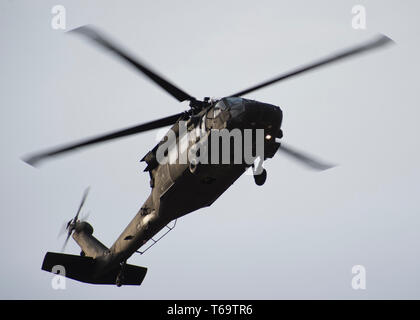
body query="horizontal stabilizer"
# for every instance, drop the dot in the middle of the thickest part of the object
(83, 269)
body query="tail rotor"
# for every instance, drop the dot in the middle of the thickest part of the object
(70, 226)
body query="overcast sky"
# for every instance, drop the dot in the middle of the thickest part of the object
(300, 234)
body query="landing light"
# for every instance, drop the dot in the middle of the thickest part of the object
(267, 137)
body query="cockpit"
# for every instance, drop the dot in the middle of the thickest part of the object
(235, 105)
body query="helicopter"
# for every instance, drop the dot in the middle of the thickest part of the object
(170, 181)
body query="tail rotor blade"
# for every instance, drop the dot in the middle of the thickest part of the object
(81, 204)
(62, 229)
(70, 226)
(65, 242)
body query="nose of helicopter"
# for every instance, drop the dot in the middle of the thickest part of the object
(262, 114)
(257, 115)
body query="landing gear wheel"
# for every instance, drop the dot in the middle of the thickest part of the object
(260, 178)
(120, 276)
(118, 282)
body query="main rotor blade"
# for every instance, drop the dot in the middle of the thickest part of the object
(379, 41)
(163, 122)
(95, 36)
(304, 158)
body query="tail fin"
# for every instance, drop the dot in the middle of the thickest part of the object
(83, 269)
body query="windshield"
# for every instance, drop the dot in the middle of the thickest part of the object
(233, 101)
(236, 105)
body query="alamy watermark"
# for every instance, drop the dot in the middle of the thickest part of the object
(359, 17)
(358, 282)
(58, 282)
(200, 146)
(58, 21)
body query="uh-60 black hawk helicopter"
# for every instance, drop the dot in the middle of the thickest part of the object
(203, 183)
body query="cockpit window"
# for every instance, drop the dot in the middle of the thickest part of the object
(236, 105)
(233, 101)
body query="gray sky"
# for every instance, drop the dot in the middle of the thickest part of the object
(299, 235)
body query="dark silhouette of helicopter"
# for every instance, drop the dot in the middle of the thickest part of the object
(171, 181)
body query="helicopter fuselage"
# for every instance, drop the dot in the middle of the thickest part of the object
(181, 188)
